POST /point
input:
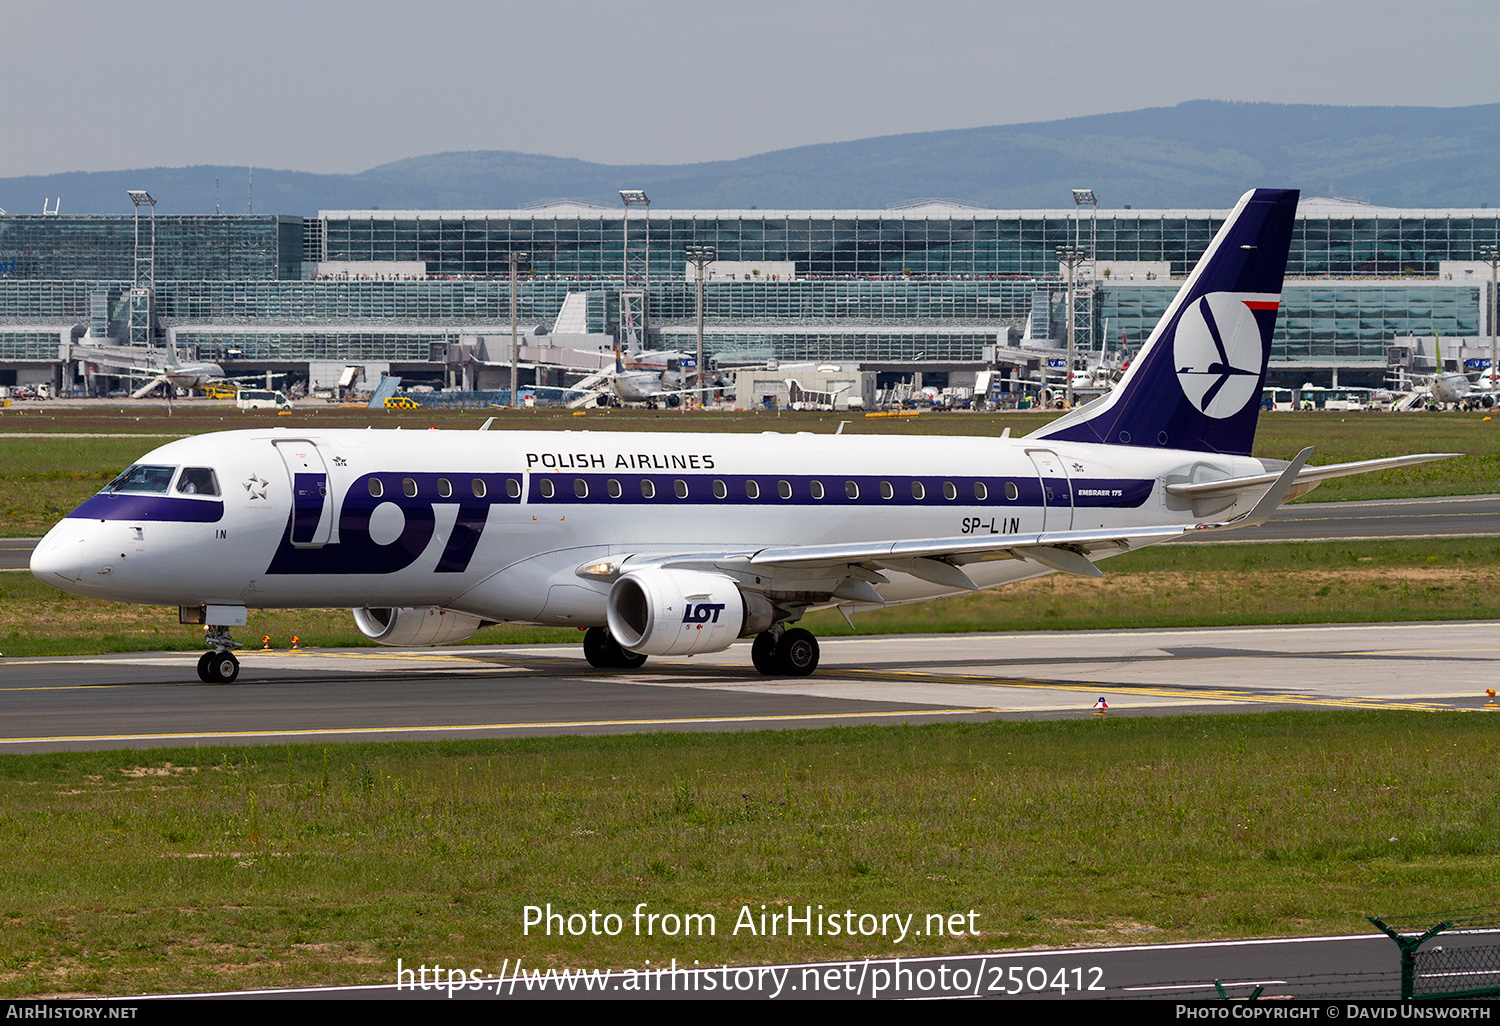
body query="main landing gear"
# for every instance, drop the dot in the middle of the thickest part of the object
(602, 650)
(786, 653)
(219, 666)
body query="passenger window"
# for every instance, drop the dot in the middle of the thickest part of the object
(614, 488)
(720, 491)
(680, 487)
(1011, 491)
(784, 489)
(476, 485)
(580, 488)
(409, 487)
(816, 487)
(851, 489)
(546, 488)
(445, 488)
(886, 491)
(376, 488)
(917, 491)
(980, 491)
(752, 490)
(512, 488)
(198, 481)
(949, 492)
(648, 488)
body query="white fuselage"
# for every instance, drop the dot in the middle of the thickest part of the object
(498, 523)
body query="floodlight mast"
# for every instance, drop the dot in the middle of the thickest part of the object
(1070, 256)
(516, 258)
(701, 256)
(634, 299)
(143, 289)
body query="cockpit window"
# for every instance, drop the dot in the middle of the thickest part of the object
(143, 478)
(198, 481)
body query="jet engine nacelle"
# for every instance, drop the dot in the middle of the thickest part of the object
(683, 612)
(407, 626)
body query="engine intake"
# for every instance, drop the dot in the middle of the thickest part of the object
(408, 626)
(683, 612)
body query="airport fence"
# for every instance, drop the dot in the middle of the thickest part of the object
(1445, 972)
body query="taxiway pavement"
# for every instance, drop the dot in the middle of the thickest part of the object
(154, 700)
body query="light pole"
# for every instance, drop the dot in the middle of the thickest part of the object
(515, 350)
(143, 289)
(1070, 256)
(701, 256)
(635, 298)
(1491, 256)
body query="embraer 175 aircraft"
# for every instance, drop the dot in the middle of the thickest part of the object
(677, 544)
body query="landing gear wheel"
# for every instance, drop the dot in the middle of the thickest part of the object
(763, 652)
(218, 668)
(598, 647)
(602, 650)
(797, 655)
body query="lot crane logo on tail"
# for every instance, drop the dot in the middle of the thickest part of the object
(1219, 352)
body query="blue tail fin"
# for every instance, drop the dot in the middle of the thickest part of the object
(1196, 383)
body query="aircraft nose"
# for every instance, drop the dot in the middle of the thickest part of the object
(58, 555)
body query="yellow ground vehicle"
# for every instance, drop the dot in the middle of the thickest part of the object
(219, 390)
(401, 402)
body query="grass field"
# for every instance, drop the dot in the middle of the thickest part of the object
(196, 869)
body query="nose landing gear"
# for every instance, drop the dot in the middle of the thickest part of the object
(219, 666)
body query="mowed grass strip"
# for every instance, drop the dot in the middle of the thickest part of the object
(199, 869)
(1162, 586)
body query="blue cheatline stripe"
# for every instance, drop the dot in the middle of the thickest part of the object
(157, 508)
(868, 490)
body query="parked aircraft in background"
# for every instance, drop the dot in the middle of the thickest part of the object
(646, 377)
(193, 374)
(676, 544)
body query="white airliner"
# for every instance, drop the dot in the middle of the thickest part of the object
(678, 544)
(645, 378)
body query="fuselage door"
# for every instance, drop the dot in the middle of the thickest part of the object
(313, 510)
(1057, 491)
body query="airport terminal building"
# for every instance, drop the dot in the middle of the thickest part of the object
(935, 288)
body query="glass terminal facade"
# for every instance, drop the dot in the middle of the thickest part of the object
(219, 247)
(924, 241)
(936, 282)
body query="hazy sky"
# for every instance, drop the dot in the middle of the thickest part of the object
(335, 86)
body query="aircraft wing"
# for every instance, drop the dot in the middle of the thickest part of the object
(847, 570)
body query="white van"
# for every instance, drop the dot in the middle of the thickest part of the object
(260, 399)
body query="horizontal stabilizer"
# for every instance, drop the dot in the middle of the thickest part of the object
(1306, 478)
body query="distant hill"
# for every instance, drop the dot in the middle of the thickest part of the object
(1201, 154)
